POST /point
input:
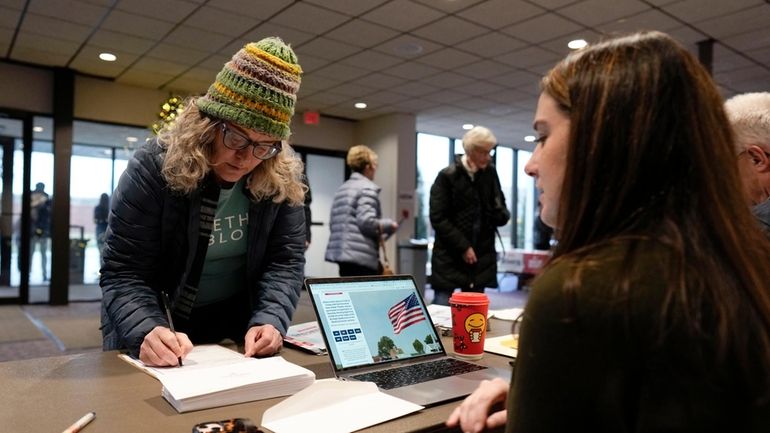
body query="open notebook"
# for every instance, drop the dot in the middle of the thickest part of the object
(377, 329)
(216, 376)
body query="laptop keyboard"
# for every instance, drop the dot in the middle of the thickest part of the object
(418, 373)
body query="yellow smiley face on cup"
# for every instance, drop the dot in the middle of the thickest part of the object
(475, 322)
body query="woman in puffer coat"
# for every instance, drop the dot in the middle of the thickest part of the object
(356, 222)
(211, 214)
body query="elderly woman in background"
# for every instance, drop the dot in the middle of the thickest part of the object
(356, 221)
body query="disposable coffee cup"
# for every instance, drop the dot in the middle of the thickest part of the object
(469, 323)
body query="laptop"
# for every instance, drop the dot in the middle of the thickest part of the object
(377, 329)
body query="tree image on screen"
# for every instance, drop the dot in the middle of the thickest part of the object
(387, 349)
(418, 347)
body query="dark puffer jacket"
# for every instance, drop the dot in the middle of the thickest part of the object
(151, 242)
(465, 213)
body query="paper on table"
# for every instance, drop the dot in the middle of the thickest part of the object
(335, 406)
(441, 315)
(506, 314)
(506, 345)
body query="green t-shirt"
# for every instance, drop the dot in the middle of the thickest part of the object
(224, 270)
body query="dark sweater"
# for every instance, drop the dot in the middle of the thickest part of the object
(595, 362)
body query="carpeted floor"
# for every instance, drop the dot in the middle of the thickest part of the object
(16, 326)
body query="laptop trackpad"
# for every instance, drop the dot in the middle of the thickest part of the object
(447, 388)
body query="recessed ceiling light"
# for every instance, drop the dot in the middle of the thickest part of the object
(530, 138)
(577, 44)
(132, 139)
(108, 57)
(38, 129)
(360, 105)
(468, 126)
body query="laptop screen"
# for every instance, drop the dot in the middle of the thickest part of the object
(373, 320)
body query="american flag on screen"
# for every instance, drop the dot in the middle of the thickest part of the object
(405, 313)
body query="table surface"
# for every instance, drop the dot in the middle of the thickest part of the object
(49, 394)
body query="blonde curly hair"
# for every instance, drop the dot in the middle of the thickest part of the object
(189, 144)
(359, 157)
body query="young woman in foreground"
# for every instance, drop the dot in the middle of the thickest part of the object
(654, 314)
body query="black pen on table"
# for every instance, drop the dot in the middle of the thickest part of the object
(166, 306)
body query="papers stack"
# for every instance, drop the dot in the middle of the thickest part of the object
(306, 336)
(215, 376)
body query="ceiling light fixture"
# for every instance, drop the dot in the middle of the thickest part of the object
(360, 105)
(577, 44)
(467, 126)
(38, 129)
(132, 139)
(108, 57)
(530, 138)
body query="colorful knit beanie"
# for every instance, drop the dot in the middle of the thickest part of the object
(257, 88)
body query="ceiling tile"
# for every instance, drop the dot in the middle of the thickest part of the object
(558, 4)
(341, 72)
(362, 34)
(414, 105)
(262, 10)
(87, 61)
(120, 43)
(372, 60)
(187, 85)
(450, 80)
(449, 6)
(443, 97)
(9, 18)
(215, 62)
(402, 15)
(413, 88)
(412, 71)
(559, 46)
(593, 12)
(315, 83)
(541, 28)
(310, 63)
(167, 10)
(136, 25)
(349, 7)
(733, 24)
(289, 35)
(500, 13)
(726, 60)
(529, 56)
(191, 37)
(650, 19)
(177, 54)
(39, 56)
(698, 10)
(448, 58)
(749, 40)
(687, 36)
(13, 4)
(326, 49)
(144, 78)
(379, 81)
(158, 65)
(449, 31)
(213, 20)
(408, 47)
(515, 78)
(483, 69)
(309, 18)
(353, 90)
(480, 88)
(48, 44)
(491, 44)
(385, 97)
(79, 12)
(47, 26)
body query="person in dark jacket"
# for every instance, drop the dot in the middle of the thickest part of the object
(356, 222)
(211, 213)
(654, 313)
(101, 214)
(466, 207)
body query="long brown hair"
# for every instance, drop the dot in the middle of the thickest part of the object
(651, 157)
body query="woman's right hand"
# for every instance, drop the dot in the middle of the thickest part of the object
(162, 347)
(473, 415)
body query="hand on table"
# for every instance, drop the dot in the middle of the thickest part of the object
(473, 415)
(262, 340)
(162, 347)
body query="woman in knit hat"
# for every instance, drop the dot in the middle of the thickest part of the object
(211, 212)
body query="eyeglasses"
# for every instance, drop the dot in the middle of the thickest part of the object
(236, 141)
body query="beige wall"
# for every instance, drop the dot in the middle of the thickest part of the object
(329, 134)
(26, 88)
(108, 101)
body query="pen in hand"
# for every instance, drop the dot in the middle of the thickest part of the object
(166, 306)
(82, 422)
